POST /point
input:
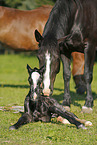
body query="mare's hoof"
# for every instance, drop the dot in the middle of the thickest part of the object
(87, 109)
(82, 127)
(67, 108)
(12, 128)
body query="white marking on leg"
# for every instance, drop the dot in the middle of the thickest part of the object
(35, 76)
(46, 80)
(87, 109)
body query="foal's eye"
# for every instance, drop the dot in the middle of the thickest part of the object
(40, 80)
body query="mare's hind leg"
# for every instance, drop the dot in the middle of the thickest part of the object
(66, 76)
(89, 62)
(78, 72)
(26, 118)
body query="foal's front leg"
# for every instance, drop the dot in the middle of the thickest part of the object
(27, 116)
(66, 77)
(24, 119)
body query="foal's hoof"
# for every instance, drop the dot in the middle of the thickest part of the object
(88, 123)
(12, 128)
(67, 108)
(82, 127)
(87, 109)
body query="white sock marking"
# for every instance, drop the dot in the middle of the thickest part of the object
(35, 76)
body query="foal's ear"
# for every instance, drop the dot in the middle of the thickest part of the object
(42, 69)
(38, 36)
(29, 69)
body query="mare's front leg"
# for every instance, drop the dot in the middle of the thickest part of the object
(89, 62)
(66, 77)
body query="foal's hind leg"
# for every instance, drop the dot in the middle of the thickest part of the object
(89, 62)
(60, 110)
(66, 76)
(26, 118)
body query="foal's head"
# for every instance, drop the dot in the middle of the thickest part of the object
(35, 80)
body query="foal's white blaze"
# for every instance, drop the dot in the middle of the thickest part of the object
(35, 76)
(46, 80)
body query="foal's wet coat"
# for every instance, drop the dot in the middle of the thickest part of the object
(38, 107)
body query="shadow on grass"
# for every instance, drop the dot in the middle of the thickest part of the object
(75, 98)
(13, 86)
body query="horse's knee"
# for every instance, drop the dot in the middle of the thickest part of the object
(88, 77)
(66, 78)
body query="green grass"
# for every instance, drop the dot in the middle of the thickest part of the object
(13, 89)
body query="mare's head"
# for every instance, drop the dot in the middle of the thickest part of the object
(48, 55)
(35, 79)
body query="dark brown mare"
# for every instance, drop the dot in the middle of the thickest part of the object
(72, 26)
(17, 31)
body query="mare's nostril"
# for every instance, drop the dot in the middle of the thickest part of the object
(46, 92)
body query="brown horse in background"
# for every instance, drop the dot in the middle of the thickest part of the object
(17, 26)
(17, 32)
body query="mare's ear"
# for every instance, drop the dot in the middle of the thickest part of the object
(38, 36)
(29, 69)
(42, 69)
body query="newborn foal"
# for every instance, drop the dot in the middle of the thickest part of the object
(38, 107)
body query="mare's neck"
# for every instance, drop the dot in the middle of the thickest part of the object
(61, 19)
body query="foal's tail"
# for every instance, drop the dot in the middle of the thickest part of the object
(65, 121)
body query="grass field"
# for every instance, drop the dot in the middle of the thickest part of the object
(13, 89)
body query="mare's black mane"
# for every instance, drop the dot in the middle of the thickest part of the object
(61, 19)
